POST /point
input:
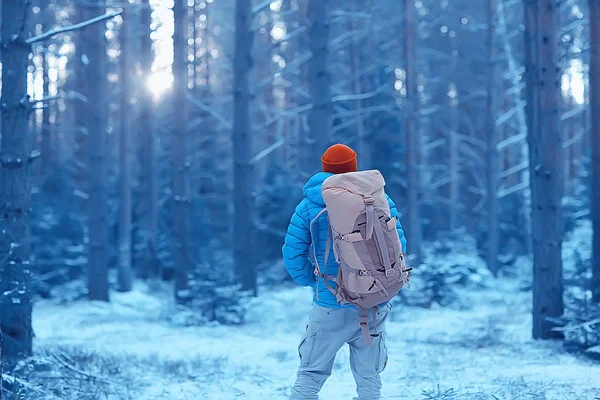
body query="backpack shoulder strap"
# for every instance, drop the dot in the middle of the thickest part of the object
(321, 273)
(312, 238)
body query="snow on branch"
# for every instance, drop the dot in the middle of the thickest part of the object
(70, 28)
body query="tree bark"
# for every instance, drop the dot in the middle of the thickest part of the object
(493, 162)
(363, 149)
(454, 164)
(15, 268)
(181, 207)
(319, 119)
(148, 181)
(125, 275)
(47, 150)
(545, 161)
(242, 171)
(80, 105)
(521, 118)
(93, 42)
(595, 138)
(413, 140)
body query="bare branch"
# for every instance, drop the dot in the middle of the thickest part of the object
(586, 324)
(70, 28)
(514, 169)
(47, 99)
(579, 135)
(509, 114)
(516, 188)
(359, 96)
(267, 151)
(511, 140)
(260, 7)
(210, 110)
(572, 113)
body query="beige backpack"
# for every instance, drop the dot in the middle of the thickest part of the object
(372, 265)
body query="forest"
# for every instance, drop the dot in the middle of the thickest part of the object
(152, 153)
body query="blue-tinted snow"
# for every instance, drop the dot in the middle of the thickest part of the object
(482, 352)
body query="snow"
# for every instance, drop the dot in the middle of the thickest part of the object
(480, 353)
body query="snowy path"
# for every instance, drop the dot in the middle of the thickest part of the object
(483, 353)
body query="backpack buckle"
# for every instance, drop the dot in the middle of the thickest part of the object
(363, 272)
(390, 272)
(369, 200)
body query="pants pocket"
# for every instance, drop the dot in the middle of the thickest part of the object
(381, 358)
(306, 348)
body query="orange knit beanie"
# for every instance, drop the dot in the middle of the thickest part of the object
(339, 159)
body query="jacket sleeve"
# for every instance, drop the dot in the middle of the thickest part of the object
(394, 213)
(296, 247)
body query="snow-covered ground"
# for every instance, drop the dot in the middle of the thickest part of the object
(481, 353)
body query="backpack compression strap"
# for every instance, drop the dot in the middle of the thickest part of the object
(363, 320)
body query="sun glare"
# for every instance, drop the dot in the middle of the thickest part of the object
(573, 81)
(160, 82)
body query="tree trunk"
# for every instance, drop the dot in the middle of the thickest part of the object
(413, 141)
(454, 164)
(93, 42)
(363, 150)
(80, 106)
(125, 276)
(149, 206)
(319, 119)
(513, 68)
(492, 161)
(15, 269)
(242, 171)
(545, 161)
(181, 206)
(47, 151)
(595, 137)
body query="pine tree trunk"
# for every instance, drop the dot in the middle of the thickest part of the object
(492, 161)
(148, 181)
(454, 165)
(363, 150)
(242, 171)
(413, 140)
(595, 137)
(515, 80)
(15, 268)
(545, 161)
(125, 275)
(93, 41)
(181, 201)
(319, 119)
(47, 151)
(80, 105)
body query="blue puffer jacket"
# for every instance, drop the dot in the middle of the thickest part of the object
(298, 241)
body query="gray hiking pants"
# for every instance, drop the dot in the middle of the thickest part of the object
(327, 331)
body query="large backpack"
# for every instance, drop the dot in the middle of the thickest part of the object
(372, 264)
